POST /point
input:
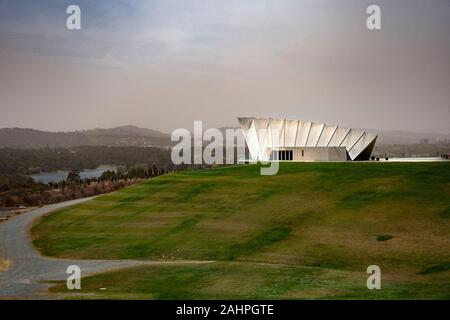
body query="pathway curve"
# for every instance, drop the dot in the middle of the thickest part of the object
(30, 273)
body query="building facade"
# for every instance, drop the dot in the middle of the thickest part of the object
(296, 140)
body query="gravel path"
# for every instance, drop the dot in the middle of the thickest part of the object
(30, 272)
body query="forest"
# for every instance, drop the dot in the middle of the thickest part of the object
(135, 163)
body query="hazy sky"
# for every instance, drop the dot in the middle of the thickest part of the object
(163, 64)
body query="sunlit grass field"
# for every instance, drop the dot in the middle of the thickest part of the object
(308, 232)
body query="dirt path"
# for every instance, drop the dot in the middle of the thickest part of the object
(29, 273)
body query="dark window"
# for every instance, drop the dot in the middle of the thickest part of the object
(303, 153)
(287, 155)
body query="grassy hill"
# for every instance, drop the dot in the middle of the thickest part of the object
(309, 232)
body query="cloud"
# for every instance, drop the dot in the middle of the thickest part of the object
(218, 59)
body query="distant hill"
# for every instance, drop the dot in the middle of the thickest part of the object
(129, 131)
(119, 136)
(406, 137)
(134, 136)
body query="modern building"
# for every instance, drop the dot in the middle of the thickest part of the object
(296, 140)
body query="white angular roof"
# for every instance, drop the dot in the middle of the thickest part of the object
(264, 134)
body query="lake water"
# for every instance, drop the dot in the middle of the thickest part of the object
(62, 175)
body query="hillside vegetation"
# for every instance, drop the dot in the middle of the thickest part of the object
(309, 232)
(29, 161)
(119, 136)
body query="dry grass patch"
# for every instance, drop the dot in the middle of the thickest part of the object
(4, 265)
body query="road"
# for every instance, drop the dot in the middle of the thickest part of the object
(30, 273)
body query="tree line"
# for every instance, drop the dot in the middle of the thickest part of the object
(29, 161)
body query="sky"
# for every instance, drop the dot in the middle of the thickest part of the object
(163, 64)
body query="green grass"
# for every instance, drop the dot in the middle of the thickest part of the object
(384, 237)
(330, 218)
(441, 267)
(238, 280)
(446, 212)
(263, 239)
